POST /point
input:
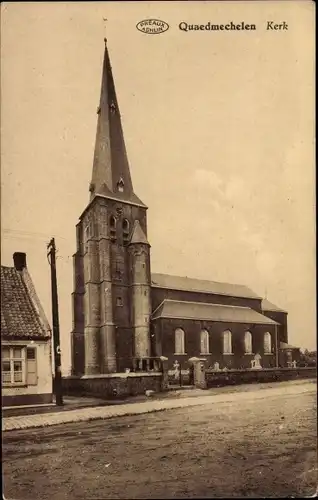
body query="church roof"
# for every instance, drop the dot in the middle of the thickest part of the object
(138, 236)
(19, 315)
(201, 286)
(269, 306)
(283, 346)
(209, 312)
(111, 173)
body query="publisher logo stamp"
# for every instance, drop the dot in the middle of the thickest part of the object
(152, 26)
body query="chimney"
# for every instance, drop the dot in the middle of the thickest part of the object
(19, 259)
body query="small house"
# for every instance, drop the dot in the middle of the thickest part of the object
(26, 352)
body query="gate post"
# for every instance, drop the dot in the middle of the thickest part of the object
(199, 367)
(165, 376)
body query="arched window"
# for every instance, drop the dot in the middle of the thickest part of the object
(204, 339)
(179, 341)
(248, 342)
(267, 343)
(112, 227)
(227, 342)
(125, 230)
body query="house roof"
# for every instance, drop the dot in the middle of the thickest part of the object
(201, 286)
(176, 309)
(19, 315)
(269, 306)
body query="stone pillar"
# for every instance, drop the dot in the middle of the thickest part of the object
(91, 330)
(199, 367)
(91, 298)
(165, 377)
(108, 329)
(91, 342)
(140, 299)
(78, 353)
(77, 334)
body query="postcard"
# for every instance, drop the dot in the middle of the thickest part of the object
(158, 298)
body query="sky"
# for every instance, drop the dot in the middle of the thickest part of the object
(219, 129)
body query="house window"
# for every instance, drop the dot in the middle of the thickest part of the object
(267, 343)
(112, 227)
(179, 341)
(32, 378)
(18, 366)
(119, 301)
(205, 348)
(248, 342)
(227, 342)
(126, 231)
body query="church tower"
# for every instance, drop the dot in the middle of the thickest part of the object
(111, 299)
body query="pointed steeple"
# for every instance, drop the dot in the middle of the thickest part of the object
(138, 236)
(111, 172)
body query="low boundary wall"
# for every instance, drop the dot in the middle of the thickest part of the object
(108, 386)
(236, 377)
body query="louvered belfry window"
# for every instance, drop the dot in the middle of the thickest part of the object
(112, 227)
(126, 231)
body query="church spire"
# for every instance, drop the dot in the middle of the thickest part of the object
(111, 173)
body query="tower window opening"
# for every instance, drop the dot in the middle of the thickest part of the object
(86, 236)
(112, 227)
(119, 302)
(125, 230)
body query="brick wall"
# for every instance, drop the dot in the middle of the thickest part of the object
(164, 334)
(281, 318)
(217, 379)
(103, 386)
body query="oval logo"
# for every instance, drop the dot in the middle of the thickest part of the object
(152, 26)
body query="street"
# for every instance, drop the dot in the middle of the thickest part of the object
(242, 448)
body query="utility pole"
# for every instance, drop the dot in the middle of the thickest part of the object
(56, 327)
(276, 348)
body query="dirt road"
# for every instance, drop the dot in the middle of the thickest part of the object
(238, 449)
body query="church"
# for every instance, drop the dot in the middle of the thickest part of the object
(123, 313)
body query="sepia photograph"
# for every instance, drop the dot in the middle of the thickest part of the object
(158, 250)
